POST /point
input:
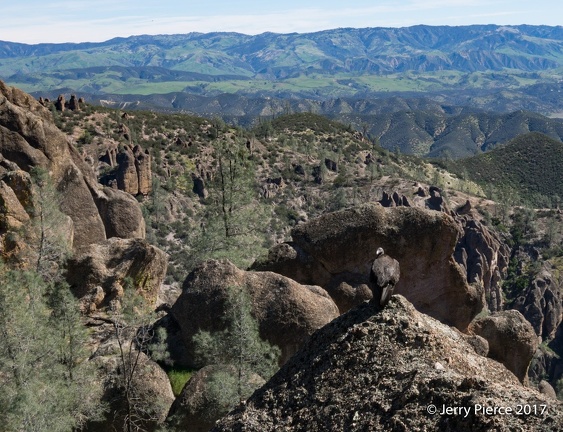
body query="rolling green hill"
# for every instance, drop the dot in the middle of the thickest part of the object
(531, 164)
(327, 64)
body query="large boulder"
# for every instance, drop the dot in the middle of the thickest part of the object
(151, 391)
(101, 271)
(387, 370)
(287, 312)
(512, 340)
(120, 213)
(337, 249)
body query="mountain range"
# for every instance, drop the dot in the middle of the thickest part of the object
(427, 90)
(329, 63)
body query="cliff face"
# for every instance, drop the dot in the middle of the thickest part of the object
(104, 226)
(395, 369)
(29, 138)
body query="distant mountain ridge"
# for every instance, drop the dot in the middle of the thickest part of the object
(331, 63)
(407, 84)
(466, 48)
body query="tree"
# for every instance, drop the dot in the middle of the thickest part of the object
(239, 347)
(234, 221)
(136, 338)
(47, 383)
(47, 240)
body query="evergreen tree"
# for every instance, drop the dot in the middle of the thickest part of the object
(234, 222)
(46, 236)
(240, 348)
(47, 383)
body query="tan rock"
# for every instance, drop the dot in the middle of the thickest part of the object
(512, 340)
(287, 312)
(112, 263)
(343, 245)
(144, 172)
(12, 214)
(127, 178)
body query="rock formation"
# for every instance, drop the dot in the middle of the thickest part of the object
(134, 174)
(73, 104)
(541, 304)
(199, 186)
(287, 312)
(512, 340)
(388, 371)
(29, 138)
(341, 246)
(152, 388)
(480, 251)
(484, 256)
(60, 103)
(101, 271)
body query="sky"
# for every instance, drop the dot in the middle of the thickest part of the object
(42, 21)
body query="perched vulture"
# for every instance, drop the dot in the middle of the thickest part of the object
(385, 273)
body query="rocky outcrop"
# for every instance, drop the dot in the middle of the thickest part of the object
(12, 214)
(134, 170)
(100, 273)
(120, 213)
(197, 408)
(484, 256)
(199, 186)
(512, 340)
(29, 138)
(340, 247)
(546, 364)
(436, 201)
(394, 200)
(541, 304)
(286, 311)
(480, 251)
(386, 371)
(60, 103)
(73, 103)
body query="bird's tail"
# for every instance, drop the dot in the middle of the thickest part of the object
(384, 295)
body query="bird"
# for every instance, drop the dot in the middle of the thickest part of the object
(384, 275)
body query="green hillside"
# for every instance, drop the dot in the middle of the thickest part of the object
(531, 164)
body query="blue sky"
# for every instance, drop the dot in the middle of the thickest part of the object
(35, 21)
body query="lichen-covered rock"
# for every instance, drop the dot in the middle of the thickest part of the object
(385, 370)
(341, 246)
(512, 340)
(287, 312)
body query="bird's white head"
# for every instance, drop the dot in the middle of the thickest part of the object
(379, 252)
